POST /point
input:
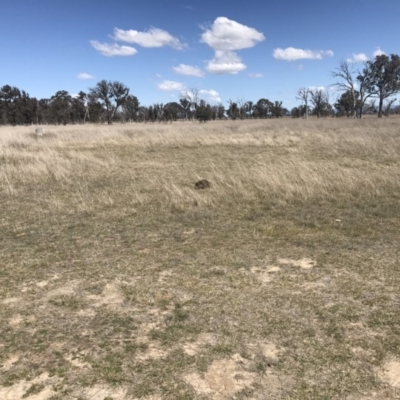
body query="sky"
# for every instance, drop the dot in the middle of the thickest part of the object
(226, 50)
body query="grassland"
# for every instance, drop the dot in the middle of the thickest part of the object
(119, 280)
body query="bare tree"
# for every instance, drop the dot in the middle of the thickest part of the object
(358, 89)
(346, 82)
(387, 106)
(303, 95)
(192, 96)
(242, 108)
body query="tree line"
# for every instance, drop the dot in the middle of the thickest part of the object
(369, 90)
(109, 101)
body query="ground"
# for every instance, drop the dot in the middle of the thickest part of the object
(120, 280)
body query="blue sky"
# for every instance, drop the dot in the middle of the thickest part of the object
(227, 50)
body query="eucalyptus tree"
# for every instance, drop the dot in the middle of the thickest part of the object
(111, 95)
(204, 112)
(130, 108)
(382, 78)
(262, 109)
(345, 104)
(277, 110)
(242, 105)
(249, 107)
(220, 111)
(174, 111)
(319, 100)
(233, 110)
(185, 104)
(79, 108)
(9, 99)
(60, 107)
(298, 112)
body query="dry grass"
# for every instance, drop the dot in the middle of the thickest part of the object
(120, 280)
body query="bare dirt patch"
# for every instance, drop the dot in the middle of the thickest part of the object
(303, 263)
(16, 320)
(77, 360)
(101, 392)
(39, 388)
(390, 373)
(68, 289)
(111, 297)
(268, 350)
(223, 379)
(261, 274)
(11, 300)
(10, 362)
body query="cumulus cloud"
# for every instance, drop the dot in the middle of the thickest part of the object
(225, 62)
(212, 95)
(84, 75)
(226, 34)
(378, 52)
(183, 69)
(256, 75)
(154, 37)
(356, 58)
(293, 54)
(110, 50)
(170, 86)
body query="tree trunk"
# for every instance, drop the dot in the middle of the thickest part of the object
(380, 108)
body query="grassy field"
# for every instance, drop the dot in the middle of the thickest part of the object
(120, 280)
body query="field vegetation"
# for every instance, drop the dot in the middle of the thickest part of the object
(120, 280)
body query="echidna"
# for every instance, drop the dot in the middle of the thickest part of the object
(202, 184)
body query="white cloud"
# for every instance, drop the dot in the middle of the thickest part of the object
(110, 50)
(226, 34)
(213, 95)
(356, 58)
(154, 37)
(183, 69)
(315, 88)
(256, 75)
(293, 54)
(84, 75)
(225, 62)
(169, 86)
(378, 52)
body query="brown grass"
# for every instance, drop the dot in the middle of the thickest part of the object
(120, 280)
